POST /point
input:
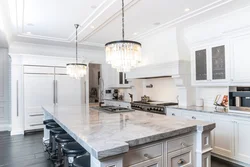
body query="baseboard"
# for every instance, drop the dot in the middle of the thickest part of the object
(231, 160)
(5, 127)
(16, 132)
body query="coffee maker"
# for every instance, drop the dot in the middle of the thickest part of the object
(115, 94)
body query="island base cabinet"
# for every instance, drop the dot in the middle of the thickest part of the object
(183, 157)
(156, 162)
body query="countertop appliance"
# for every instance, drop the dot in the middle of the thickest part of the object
(158, 107)
(239, 98)
(115, 94)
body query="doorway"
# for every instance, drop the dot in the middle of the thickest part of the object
(94, 83)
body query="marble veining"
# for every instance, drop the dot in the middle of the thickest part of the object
(104, 135)
(211, 110)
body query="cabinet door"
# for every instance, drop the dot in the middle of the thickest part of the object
(201, 65)
(242, 138)
(223, 136)
(38, 91)
(240, 55)
(68, 90)
(182, 157)
(218, 63)
(17, 113)
(156, 162)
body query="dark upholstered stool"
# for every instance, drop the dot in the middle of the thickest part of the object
(61, 140)
(82, 161)
(71, 151)
(52, 125)
(48, 121)
(53, 133)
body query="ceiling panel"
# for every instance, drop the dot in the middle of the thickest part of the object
(56, 18)
(142, 17)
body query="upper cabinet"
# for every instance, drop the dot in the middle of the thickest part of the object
(210, 64)
(239, 59)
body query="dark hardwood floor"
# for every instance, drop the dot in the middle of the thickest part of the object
(27, 151)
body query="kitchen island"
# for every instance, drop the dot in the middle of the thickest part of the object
(135, 138)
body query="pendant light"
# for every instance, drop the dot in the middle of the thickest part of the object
(123, 54)
(76, 70)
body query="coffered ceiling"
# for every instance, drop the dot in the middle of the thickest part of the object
(52, 21)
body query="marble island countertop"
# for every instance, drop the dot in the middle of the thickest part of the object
(104, 135)
(211, 110)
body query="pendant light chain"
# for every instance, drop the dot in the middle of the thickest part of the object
(77, 25)
(123, 33)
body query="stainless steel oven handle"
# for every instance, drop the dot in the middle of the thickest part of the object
(17, 99)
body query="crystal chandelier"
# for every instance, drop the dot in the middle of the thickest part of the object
(123, 54)
(76, 70)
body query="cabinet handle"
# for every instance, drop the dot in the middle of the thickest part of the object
(54, 101)
(17, 99)
(181, 162)
(33, 115)
(173, 114)
(56, 98)
(146, 156)
(193, 117)
(36, 124)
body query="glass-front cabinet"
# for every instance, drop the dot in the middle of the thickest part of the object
(209, 64)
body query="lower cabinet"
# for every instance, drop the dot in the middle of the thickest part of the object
(231, 136)
(183, 157)
(156, 162)
(222, 136)
(242, 140)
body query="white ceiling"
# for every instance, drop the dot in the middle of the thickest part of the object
(52, 21)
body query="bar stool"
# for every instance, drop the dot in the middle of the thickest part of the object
(61, 140)
(53, 133)
(71, 151)
(82, 161)
(48, 121)
(49, 126)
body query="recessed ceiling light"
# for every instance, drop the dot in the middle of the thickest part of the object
(187, 10)
(92, 27)
(29, 24)
(28, 33)
(93, 6)
(157, 23)
(135, 33)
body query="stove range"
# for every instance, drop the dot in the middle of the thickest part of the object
(152, 106)
(114, 109)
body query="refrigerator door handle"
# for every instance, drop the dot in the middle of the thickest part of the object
(54, 98)
(56, 92)
(17, 99)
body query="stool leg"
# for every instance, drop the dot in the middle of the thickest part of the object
(66, 162)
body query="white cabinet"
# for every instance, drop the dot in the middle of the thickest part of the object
(67, 90)
(240, 55)
(17, 113)
(242, 138)
(183, 157)
(174, 112)
(38, 91)
(156, 162)
(210, 64)
(223, 136)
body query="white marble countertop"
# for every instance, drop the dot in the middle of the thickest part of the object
(104, 135)
(211, 110)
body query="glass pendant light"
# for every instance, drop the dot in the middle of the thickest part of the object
(123, 54)
(76, 70)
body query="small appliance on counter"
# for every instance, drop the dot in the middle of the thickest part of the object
(116, 94)
(239, 98)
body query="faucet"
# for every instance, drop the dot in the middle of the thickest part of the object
(131, 96)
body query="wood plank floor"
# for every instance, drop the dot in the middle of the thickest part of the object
(27, 151)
